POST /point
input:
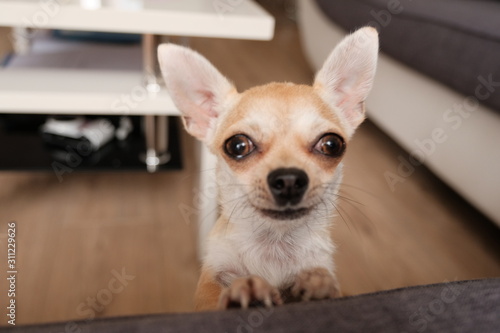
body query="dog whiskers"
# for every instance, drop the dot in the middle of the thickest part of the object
(339, 213)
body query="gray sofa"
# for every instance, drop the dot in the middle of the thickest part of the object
(464, 306)
(437, 88)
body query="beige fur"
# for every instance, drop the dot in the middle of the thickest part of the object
(254, 255)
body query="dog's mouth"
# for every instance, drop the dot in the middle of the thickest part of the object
(286, 214)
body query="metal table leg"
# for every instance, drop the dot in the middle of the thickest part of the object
(155, 126)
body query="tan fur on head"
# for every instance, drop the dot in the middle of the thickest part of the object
(283, 129)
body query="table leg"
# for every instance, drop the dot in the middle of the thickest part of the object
(156, 132)
(21, 39)
(155, 126)
(152, 73)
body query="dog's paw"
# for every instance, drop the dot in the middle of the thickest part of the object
(247, 290)
(316, 283)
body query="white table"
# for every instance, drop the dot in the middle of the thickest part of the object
(87, 92)
(95, 91)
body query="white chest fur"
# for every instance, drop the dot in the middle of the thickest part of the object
(276, 257)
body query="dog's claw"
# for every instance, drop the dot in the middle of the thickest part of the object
(268, 302)
(244, 290)
(316, 283)
(244, 301)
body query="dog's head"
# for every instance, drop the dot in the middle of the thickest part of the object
(280, 145)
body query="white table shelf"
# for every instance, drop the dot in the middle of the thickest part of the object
(51, 91)
(241, 19)
(96, 92)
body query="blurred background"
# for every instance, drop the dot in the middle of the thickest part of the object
(98, 235)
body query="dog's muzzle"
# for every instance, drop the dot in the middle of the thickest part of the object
(288, 185)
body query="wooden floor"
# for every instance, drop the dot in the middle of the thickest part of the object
(74, 237)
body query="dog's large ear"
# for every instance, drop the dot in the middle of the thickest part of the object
(347, 75)
(195, 86)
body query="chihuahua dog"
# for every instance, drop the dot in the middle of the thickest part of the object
(281, 145)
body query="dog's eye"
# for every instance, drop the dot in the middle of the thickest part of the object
(330, 145)
(239, 146)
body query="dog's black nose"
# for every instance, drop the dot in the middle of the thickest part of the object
(288, 185)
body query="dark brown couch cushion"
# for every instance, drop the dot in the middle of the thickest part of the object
(456, 42)
(463, 307)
